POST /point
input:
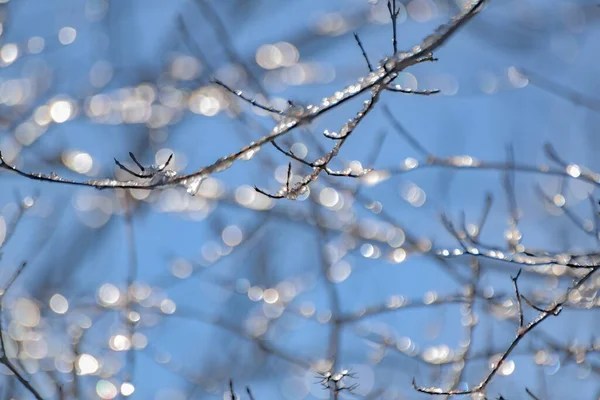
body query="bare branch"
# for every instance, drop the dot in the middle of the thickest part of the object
(518, 296)
(4, 359)
(364, 53)
(399, 128)
(530, 393)
(238, 93)
(394, 12)
(382, 76)
(521, 333)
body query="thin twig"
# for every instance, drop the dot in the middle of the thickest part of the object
(518, 296)
(151, 174)
(533, 396)
(231, 391)
(364, 53)
(394, 16)
(530, 304)
(399, 128)
(140, 166)
(238, 93)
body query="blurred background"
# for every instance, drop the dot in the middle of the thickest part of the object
(163, 295)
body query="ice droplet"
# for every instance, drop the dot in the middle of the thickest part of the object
(192, 184)
(248, 154)
(332, 135)
(162, 177)
(222, 166)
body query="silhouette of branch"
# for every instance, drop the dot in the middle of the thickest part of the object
(364, 53)
(394, 12)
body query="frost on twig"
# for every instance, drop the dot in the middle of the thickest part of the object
(336, 382)
(292, 192)
(382, 76)
(147, 172)
(522, 331)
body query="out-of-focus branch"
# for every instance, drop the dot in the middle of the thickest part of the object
(4, 359)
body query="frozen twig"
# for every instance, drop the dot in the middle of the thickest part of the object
(383, 75)
(521, 333)
(518, 297)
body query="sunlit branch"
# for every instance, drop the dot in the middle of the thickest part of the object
(514, 280)
(400, 89)
(465, 162)
(521, 333)
(322, 164)
(381, 76)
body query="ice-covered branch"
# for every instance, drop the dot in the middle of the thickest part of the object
(382, 75)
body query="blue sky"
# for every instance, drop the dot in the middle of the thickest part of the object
(79, 236)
